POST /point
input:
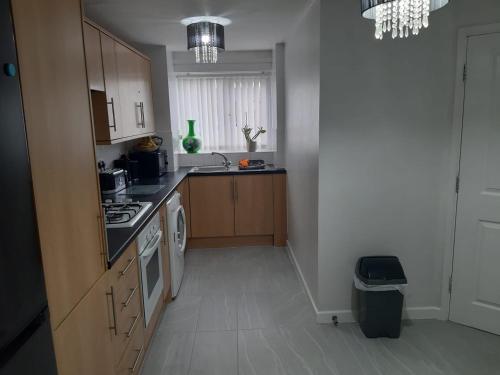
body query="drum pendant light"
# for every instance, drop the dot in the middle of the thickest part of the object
(205, 36)
(399, 17)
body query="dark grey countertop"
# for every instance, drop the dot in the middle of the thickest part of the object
(120, 238)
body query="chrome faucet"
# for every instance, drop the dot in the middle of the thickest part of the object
(226, 163)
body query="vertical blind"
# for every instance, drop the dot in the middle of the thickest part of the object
(221, 106)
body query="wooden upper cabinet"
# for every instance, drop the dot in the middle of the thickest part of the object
(83, 341)
(129, 76)
(113, 128)
(254, 205)
(146, 95)
(61, 146)
(212, 206)
(120, 83)
(93, 56)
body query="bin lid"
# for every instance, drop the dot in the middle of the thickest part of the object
(380, 270)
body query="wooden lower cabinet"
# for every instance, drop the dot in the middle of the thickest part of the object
(253, 211)
(133, 356)
(126, 308)
(212, 206)
(239, 210)
(83, 342)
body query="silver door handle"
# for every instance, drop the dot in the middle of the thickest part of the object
(125, 270)
(142, 115)
(134, 324)
(151, 248)
(112, 103)
(131, 295)
(114, 326)
(136, 362)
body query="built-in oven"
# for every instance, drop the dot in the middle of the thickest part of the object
(150, 260)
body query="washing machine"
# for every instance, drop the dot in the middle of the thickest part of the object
(176, 224)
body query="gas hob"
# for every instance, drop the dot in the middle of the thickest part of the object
(124, 215)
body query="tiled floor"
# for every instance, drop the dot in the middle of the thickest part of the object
(242, 311)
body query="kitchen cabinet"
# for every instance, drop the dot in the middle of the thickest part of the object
(129, 89)
(146, 94)
(239, 210)
(93, 57)
(253, 205)
(83, 341)
(110, 127)
(125, 293)
(61, 146)
(126, 111)
(212, 206)
(134, 353)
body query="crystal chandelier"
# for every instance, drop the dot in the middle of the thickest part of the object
(205, 36)
(399, 17)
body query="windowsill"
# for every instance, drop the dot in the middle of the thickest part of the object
(203, 153)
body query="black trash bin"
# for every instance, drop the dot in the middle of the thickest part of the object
(380, 281)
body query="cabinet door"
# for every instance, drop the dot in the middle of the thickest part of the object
(129, 90)
(83, 341)
(110, 66)
(146, 95)
(253, 205)
(61, 146)
(212, 206)
(93, 57)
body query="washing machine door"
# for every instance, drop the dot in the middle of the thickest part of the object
(180, 235)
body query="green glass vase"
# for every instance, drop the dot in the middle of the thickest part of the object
(191, 143)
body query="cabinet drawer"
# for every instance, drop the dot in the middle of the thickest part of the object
(125, 268)
(134, 353)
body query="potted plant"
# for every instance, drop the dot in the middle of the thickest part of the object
(251, 141)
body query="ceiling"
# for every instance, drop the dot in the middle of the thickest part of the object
(256, 24)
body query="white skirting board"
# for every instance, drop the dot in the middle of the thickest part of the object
(347, 316)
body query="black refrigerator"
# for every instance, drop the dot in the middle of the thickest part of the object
(25, 334)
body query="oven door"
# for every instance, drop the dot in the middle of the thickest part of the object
(151, 275)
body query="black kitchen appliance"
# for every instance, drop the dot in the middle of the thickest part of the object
(112, 180)
(151, 163)
(25, 334)
(131, 166)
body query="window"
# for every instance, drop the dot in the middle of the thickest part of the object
(221, 105)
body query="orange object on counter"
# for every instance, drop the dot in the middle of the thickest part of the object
(244, 163)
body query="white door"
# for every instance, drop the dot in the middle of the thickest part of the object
(475, 299)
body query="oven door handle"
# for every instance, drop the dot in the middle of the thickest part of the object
(152, 247)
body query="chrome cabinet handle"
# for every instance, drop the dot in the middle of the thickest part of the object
(125, 270)
(112, 103)
(142, 115)
(132, 328)
(235, 189)
(136, 362)
(112, 295)
(131, 295)
(138, 106)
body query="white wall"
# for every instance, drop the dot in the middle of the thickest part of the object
(301, 142)
(385, 143)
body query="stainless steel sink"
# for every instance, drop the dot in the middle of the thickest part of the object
(211, 169)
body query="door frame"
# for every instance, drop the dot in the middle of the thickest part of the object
(455, 156)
